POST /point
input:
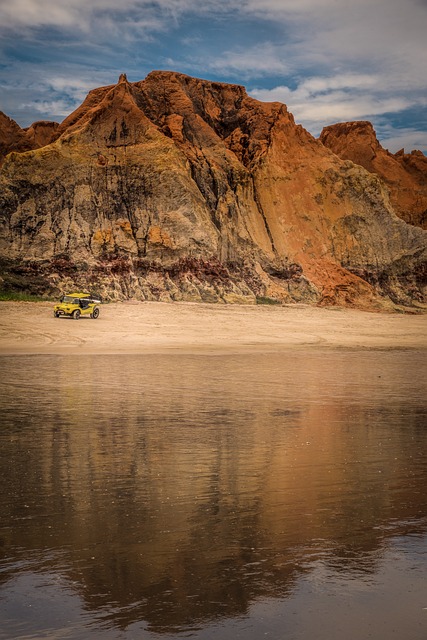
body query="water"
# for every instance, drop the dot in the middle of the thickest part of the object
(278, 495)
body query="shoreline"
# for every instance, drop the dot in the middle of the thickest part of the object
(29, 328)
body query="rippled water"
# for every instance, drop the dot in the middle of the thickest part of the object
(214, 496)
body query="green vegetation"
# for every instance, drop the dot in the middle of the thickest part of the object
(21, 296)
(266, 300)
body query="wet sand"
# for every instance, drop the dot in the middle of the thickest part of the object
(150, 327)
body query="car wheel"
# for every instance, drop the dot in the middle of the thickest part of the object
(76, 314)
(56, 314)
(95, 313)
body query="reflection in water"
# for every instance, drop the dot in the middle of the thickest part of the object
(213, 495)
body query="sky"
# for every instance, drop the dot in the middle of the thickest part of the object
(329, 61)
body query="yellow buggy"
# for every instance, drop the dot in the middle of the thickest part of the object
(74, 305)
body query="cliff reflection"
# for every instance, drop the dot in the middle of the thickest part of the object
(178, 489)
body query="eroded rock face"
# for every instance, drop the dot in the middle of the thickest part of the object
(176, 188)
(405, 174)
(13, 138)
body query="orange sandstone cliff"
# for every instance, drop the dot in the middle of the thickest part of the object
(175, 188)
(405, 174)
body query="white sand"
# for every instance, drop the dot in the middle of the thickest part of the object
(129, 327)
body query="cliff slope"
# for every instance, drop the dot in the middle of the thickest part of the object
(405, 174)
(177, 188)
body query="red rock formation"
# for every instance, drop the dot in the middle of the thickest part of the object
(13, 138)
(180, 188)
(404, 174)
(41, 133)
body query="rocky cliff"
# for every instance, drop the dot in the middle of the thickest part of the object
(405, 174)
(13, 138)
(175, 188)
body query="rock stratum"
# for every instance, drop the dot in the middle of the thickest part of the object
(175, 188)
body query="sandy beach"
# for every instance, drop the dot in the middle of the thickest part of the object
(128, 327)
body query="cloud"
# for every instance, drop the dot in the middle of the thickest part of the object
(27, 15)
(406, 138)
(325, 100)
(81, 14)
(315, 34)
(323, 37)
(66, 93)
(59, 107)
(76, 87)
(251, 62)
(50, 91)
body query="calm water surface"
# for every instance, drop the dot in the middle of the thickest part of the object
(251, 496)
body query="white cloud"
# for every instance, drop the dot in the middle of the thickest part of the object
(386, 37)
(319, 88)
(407, 139)
(320, 101)
(74, 85)
(58, 107)
(339, 107)
(251, 62)
(73, 14)
(82, 14)
(49, 91)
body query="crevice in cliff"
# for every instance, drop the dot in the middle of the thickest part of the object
(146, 236)
(264, 218)
(208, 191)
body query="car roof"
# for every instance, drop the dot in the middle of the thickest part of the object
(77, 295)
